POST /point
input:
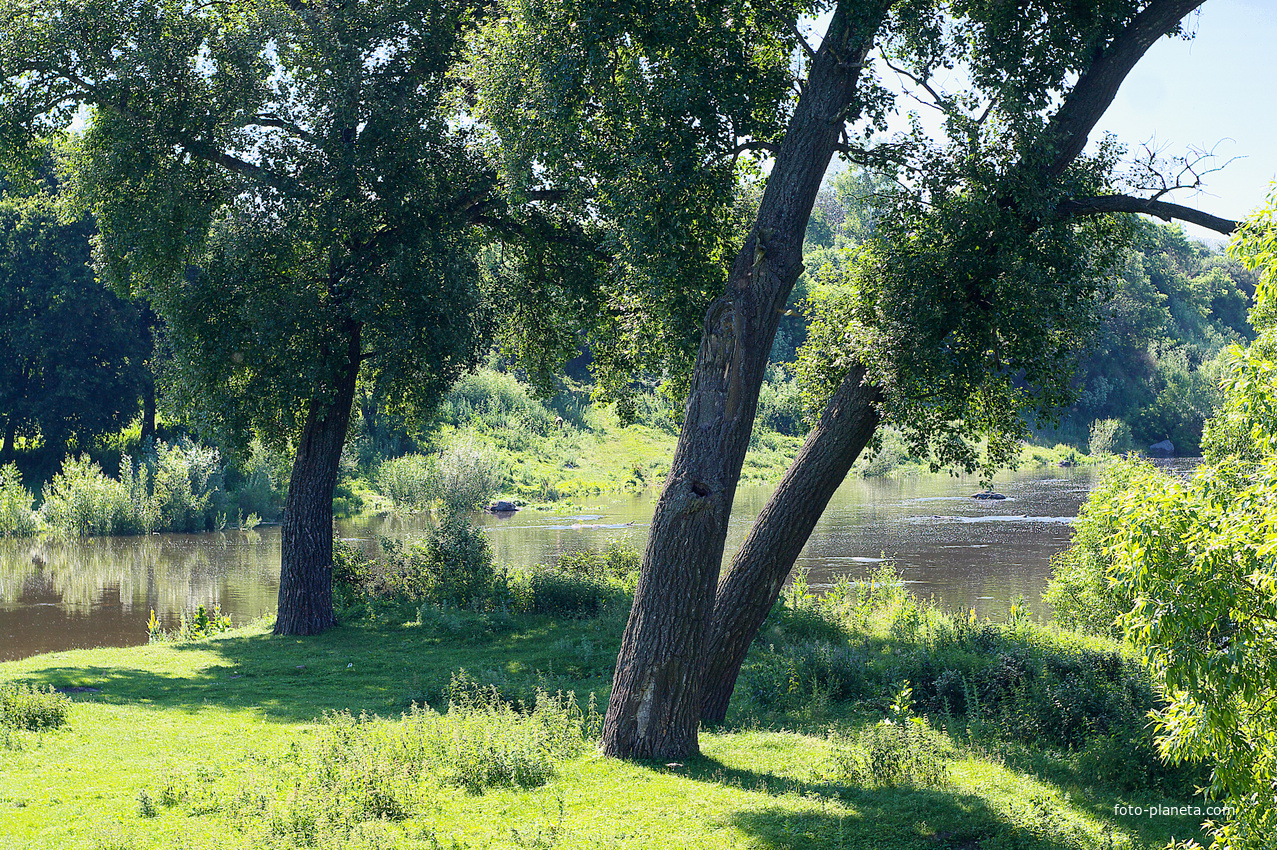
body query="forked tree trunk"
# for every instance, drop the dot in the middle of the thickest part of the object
(306, 561)
(655, 706)
(757, 573)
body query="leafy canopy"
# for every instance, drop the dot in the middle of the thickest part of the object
(293, 184)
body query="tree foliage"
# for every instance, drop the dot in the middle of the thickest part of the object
(73, 356)
(638, 111)
(1190, 566)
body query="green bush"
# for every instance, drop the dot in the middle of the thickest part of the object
(24, 706)
(186, 486)
(259, 483)
(1109, 437)
(1018, 680)
(544, 591)
(16, 517)
(407, 481)
(468, 476)
(83, 500)
(453, 565)
(175, 487)
(1080, 592)
(780, 405)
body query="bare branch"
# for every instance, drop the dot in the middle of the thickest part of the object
(942, 103)
(1104, 204)
(275, 122)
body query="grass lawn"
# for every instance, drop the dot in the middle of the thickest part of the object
(233, 742)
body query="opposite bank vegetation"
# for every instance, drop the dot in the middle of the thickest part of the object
(490, 437)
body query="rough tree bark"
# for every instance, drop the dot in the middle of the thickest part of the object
(306, 560)
(753, 582)
(656, 695)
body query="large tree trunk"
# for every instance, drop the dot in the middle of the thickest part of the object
(757, 573)
(306, 562)
(656, 692)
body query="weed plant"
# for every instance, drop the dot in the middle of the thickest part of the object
(197, 626)
(25, 706)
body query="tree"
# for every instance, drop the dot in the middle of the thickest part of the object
(960, 318)
(297, 188)
(967, 332)
(73, 361)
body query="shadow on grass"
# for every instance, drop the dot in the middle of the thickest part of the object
(912, 817)
(380, 670)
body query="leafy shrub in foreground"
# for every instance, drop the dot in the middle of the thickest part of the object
(24, 706)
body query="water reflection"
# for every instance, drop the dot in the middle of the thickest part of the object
(981, 554)
(100, 591)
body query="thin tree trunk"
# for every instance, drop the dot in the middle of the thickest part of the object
(757, 573)
(656, 692)
(306, 562)
(148, 407)
(10, 434)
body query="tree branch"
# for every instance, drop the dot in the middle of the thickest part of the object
(1072, 124)
(1103, 204)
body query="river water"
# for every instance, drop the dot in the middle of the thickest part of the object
(964, 552)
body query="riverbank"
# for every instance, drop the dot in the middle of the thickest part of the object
(251, 740)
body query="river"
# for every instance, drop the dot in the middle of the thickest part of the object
(964, 552)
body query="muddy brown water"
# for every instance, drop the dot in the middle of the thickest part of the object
(980, 554)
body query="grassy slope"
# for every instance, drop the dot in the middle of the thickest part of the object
(173, 719)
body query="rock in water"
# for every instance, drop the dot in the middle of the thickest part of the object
(502, 507)
(989, 495)
(1163, 449)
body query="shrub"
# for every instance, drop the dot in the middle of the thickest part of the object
(24, 706)
(780, 405)
(82, 500)
(260, 482)
(185, 486)
(544, 591)
(467, 477)
(175, 487)
(407, 481)
(453, 564)
(1110, 437)
(1080, 592)
(16, 517)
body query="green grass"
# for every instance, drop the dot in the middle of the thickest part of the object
(252, 740)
